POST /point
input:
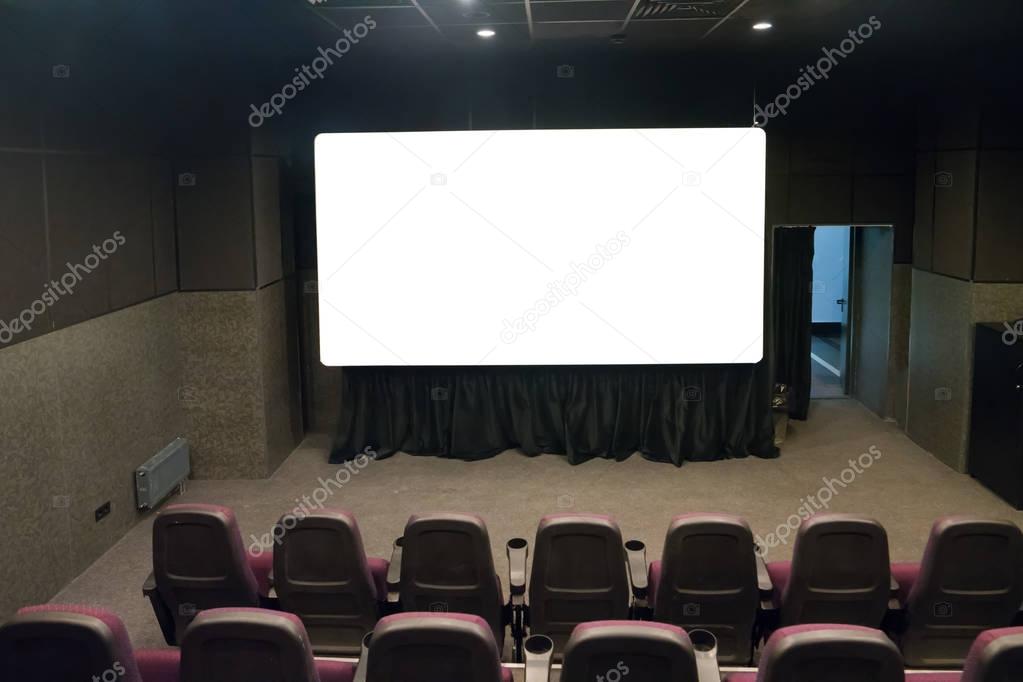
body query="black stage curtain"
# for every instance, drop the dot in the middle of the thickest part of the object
(668, 413)
(793, 310)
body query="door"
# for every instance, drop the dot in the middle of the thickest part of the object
(871, 316)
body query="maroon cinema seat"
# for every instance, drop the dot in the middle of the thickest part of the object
(432, 647)
(254, 645)
(579, 575)
(707, 579)
(827, 653)
(840, 573)
(54, 643)
(970, 580)
(322, 574)
(200, 562)
(447, 567)
(628, 650)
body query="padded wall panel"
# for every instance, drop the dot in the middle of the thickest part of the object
(215, 245)
(882, 154)
(777, 153)
(820, 155)
(119, 406)
(31, 473)
(20, 99)
(126, 206)
(23, 264)
(219, 337)
(923, 214)
(939, 366)
(820, 199)
(776, 207)
(266, 201)
(953, 213)
(887, 200)
(78, 187)
(165, 246)
(1000, 217)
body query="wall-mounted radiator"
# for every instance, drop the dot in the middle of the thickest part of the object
(167, 470)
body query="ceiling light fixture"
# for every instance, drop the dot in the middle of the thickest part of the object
(486, 33)
(762, 26)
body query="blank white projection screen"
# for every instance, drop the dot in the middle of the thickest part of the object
(541, 247)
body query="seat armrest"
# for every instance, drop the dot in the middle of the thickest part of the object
(363, 663)
(636, 554)
(705, 646)
(518, 552)
(764, 584)
(394, 573)
(539, 650)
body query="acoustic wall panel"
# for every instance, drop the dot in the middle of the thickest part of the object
(954, 197)
(999, 214)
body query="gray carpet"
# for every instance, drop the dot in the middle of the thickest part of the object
(905, 489)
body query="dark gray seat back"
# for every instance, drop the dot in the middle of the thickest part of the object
(708, 580)
(840, 572)
(578, 575)
(447, 567)
(321, 575)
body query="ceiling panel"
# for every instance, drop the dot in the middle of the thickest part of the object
(385, 17)
(582, 10)
(474, 13)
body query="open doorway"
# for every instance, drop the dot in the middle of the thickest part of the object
(829, 319)
(831, 314)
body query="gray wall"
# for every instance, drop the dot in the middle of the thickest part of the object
(967, 265)
(81, 409)
(109, 374)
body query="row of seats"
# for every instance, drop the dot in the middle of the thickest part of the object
(69, 643)
(710, 576)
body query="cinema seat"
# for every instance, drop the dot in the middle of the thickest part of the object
(429, 647)
(636, 650)
(969, 580)
(200, 562)
(447, 567)
(707, 579)
(839, 573)
(54, 643)
(826, 653)
(245, 645)
(578, 575)
(321, 574)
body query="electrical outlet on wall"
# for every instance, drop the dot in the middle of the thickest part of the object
(102, 511)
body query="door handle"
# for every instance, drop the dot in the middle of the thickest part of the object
(841, 302)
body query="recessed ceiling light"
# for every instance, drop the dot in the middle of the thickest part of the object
(486, 33)
(762, 26)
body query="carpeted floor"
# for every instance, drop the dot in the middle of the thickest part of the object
(905, 488)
